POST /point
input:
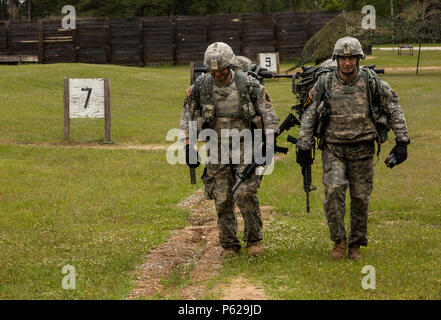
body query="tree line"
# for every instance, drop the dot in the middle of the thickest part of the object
(17, 10)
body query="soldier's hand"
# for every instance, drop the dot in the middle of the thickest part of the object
(397, 155)
(304, 157)
(192, 160)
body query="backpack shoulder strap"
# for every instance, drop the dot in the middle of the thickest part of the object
(205, 85)
(325, 85)
(374, 111)
(246, 84)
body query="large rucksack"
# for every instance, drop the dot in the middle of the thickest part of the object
(303, 82)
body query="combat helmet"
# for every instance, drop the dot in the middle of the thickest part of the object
(218, 56)
(348, 46)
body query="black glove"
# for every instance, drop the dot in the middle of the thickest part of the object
(187, 157)
(304, 157)
(397, 155)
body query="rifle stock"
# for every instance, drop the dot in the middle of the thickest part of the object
(192, 176)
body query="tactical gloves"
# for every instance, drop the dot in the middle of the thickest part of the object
(304, 157)
(397, 155)
(193, 161)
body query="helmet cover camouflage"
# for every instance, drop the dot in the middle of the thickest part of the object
(218, 56)
(329, 64)
(348, 46)
(243, 62)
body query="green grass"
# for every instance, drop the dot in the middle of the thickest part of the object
(386, 59)
(103, 210)
(100, 211)
(415, 45)
(145, 102)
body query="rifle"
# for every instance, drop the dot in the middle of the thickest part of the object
(307, 181)
(307, 186)
(287, 124)
(259, 73)
(192, 176)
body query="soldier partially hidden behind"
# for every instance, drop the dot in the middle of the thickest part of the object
(229, 99)
(351, 109)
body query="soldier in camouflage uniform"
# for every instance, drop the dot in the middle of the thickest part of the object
(229, 99)
(347, 117)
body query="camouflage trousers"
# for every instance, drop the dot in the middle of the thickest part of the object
(219, 180)
(343, 166)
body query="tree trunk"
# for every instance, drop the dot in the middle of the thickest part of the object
(28, 2)
(13, 11)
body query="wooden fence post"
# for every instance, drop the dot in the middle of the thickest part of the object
(75, 45)
(66, 110)
(207, 30)
(275, 30)
(108, 41)
(141, 43)
(8, 38)
(40, 41)
(107, 117)
(175, 55)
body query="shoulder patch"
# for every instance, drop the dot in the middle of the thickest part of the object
(188, 91)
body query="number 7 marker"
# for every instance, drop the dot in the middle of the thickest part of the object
(88, 96)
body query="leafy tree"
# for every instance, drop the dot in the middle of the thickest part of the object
(127, 8)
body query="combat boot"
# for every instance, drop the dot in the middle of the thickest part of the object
(354, 252)
(339, 250)
(255, 248)
(228, 252)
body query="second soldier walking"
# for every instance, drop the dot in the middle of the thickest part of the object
(351, 108)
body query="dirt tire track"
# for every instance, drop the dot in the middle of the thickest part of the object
(196, 245)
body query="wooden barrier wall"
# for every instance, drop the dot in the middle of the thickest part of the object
(149, 40)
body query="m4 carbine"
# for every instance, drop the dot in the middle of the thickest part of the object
(250, 169)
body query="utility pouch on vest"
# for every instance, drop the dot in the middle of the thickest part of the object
(248, 110)
(207, 116)
(343, 127)
(208, 112)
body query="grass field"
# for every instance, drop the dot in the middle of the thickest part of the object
(103, 210)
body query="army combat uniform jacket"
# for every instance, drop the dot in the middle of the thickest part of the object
(242, 103)
(355, 120)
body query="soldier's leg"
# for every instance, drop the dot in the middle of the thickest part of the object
(361, 183)
(248, 203)
(335, 183)
(226, 217)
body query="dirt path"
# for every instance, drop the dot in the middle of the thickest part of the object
(91, 146)
(193, 254)
(415, 48)
(403, 69)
